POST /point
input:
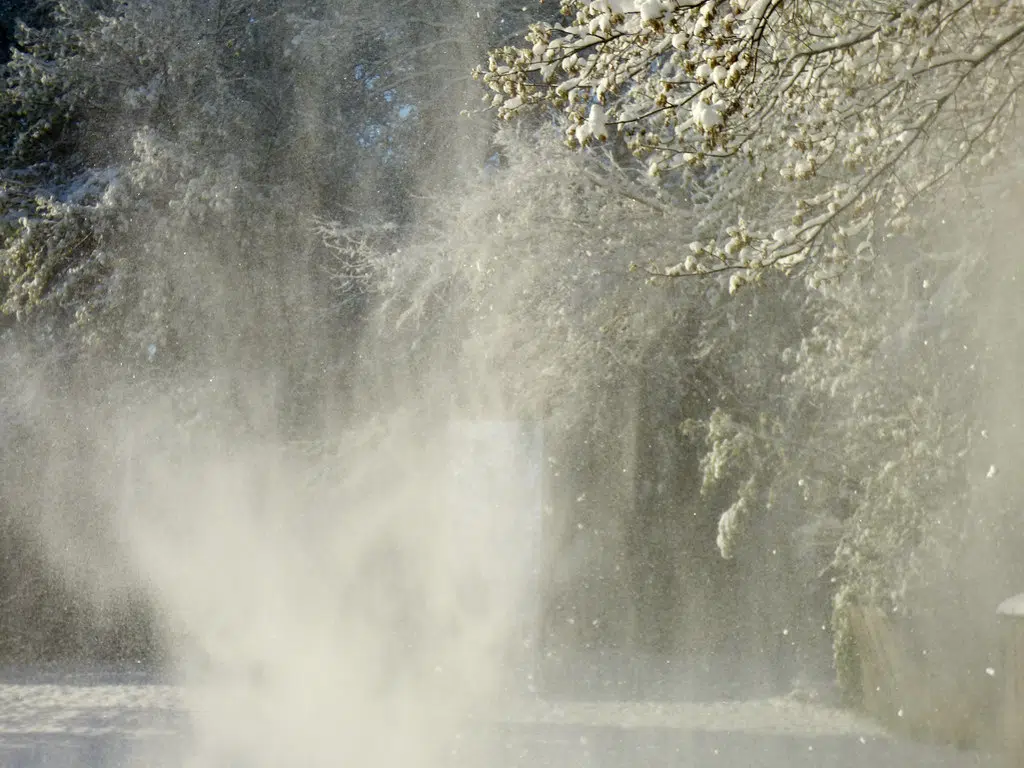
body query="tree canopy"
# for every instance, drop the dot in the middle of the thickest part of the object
(861, 148)
(802, 132)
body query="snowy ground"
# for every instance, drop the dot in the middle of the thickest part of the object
(103, 720)
(95, 719)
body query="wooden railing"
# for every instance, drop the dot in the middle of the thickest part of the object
(921, 692)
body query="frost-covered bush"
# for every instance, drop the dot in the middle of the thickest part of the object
(865, 446)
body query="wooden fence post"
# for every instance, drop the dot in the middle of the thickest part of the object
(1011, 614)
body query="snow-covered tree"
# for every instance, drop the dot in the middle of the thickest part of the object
(94, 100)
(829, 142)
(519, 299)
(144, 140)
(801, 131)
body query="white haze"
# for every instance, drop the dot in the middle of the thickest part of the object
(366, 597)
(357, 598)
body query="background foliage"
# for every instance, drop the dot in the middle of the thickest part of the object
(203, 201)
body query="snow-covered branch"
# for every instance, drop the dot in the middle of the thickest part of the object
(820, 120)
